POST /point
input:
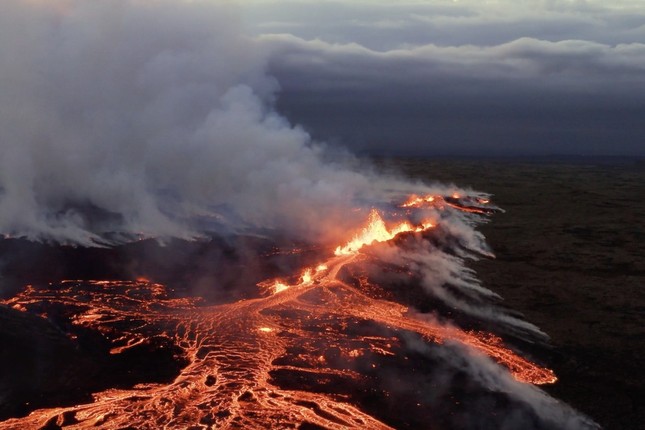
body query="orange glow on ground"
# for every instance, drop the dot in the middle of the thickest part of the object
(234, 348)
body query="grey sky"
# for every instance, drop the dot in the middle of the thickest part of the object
(460, 77)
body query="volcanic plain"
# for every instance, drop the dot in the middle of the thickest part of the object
(570, 251)
(569, 257)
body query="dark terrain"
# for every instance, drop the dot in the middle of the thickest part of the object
(570, 256)
(569, 249)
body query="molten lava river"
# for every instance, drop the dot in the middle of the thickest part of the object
(331, 346)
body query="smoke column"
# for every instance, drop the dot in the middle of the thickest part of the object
(152, 119)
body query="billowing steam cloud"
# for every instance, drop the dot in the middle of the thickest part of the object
(151, 119)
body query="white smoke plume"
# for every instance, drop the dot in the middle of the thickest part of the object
(152, 118)
(553, 413)
(439, 264)
(155, 119)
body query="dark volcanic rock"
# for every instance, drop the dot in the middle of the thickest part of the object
(40, 365)
(44, 367)
(218, 269)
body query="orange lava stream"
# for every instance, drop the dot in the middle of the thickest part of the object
(418, 201)
(440, 202)
(226, 384)
(232, 348)
(395, 315)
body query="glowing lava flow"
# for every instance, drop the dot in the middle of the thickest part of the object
(238, 352)
(393, 314)
(417, 201)
(376, 231)
(476, 205)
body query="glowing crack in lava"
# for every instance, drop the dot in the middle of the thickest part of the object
(266, 362)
